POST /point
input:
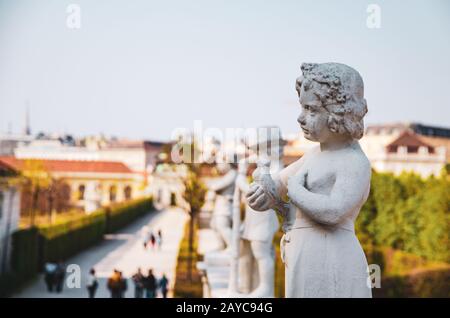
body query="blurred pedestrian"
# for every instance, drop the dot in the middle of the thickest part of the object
(138, 280)
(145, 236)
(150, 285)
(116, 284)
(152, 240)
(123, 285)
(49, 276)
(163, 285)
(159, 239)
(60, 273)
(92, 283)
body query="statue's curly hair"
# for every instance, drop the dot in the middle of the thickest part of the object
(340, 88)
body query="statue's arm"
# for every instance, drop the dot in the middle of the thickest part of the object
(223, 182)
(349, 191)
(242, 184)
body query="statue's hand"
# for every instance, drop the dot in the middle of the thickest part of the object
(258, 199)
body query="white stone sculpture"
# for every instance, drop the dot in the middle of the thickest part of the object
(224, 189)
(320, 195)
(257, 261)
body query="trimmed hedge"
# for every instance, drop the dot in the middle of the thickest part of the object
(24, 261)
(32, 248)
(120, 215)
(62, 241)
(185, 288)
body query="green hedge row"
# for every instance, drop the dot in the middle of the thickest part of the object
(24, 260)
(32, 248)
(121, 215)
(64, 240)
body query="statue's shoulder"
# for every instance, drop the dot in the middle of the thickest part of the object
(355, 158)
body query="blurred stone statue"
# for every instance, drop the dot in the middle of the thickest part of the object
(257, 255)
(224, 188)
(320, 195)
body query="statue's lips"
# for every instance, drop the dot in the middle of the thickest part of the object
(305, 131)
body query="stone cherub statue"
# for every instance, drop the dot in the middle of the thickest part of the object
(321, 194)
(224, 189)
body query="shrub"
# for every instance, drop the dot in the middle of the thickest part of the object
(120, 215)
(62, 241)
(23, 262)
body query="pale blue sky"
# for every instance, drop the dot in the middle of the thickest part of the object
(142, 68)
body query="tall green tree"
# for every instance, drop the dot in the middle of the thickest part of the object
(194, 195)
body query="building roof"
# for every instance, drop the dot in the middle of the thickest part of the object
(7, 171)
(409, 138)
(420, 129)
(133, 144)
(68, 165)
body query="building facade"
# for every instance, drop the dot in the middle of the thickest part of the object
(90, 184)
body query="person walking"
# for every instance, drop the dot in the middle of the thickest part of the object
(60, 273)
(49, 276)
(92, 283)
(163, 285)
(138, 280)
(150, 285)
(145, 237)
(152, 240)
(159, 239)
(123, 285)
(115, 284)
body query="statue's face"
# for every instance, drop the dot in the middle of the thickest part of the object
(313, 119)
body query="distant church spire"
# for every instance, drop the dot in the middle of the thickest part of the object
(27, 129)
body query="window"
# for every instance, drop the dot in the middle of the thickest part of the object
(112, 193)
(81, 189)
(412, 149)
(127, 192)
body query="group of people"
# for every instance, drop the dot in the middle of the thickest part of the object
(144, 286)
(147, 286)
(152, 239)
(54, 276)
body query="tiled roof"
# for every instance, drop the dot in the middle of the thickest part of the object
(408, 138)
(68, 165)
